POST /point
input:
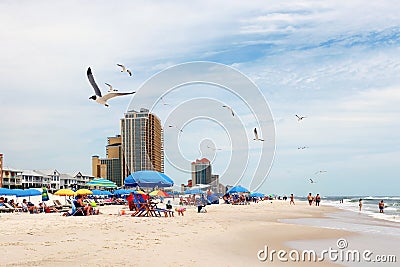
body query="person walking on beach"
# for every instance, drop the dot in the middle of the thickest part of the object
(317, 200)
(310, 199)
(360, 203)
(291, 199)
(381, 206)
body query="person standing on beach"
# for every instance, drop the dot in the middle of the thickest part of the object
(291, 199)
(317, 200)
(310, 199)
(381, 206)
(360, 203)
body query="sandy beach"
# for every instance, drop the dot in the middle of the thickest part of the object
(226, 235)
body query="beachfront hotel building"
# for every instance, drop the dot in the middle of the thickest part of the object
(142, 141)
(112, 167)
(201, 171)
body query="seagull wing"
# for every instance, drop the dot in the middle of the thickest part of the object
(92, 82)
(115, 94)
(255, 133)
(122, 66)
(109, 85)
(130, 73)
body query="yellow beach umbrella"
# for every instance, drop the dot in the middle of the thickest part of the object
(83, 192)
(140, 192)
(64, 192)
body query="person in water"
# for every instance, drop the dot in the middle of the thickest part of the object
(381, 206)
(360, 204)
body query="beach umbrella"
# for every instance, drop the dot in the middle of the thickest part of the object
(159, 193)
(6, 192)
(194, 192)
(65, 192)
(26, 192)
(45, 195)
(148, 179)
(101, 182)
(83, 192)
(101, 192)
(237, 189)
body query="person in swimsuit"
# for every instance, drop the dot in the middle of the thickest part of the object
(381, 206)
(317, 200)
(291, 199)
(310, 199)
(360, 203)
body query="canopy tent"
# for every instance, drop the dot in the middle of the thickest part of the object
(148, 179)
(237, 189)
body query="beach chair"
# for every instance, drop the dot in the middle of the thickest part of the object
(11, 208)
(3, 208)
(75, 211)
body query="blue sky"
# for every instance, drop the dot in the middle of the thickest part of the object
(336, 62)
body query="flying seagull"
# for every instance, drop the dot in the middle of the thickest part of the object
(228, 107)
(111, 88)
(162, 100)
(124, 69)
(256, 135)
(213, 148)
(311, 181)
(98, 97)
(320, 172)
(173, 126)
(299, 118)
(302, 147)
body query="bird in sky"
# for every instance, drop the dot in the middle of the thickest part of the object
(98, 97)
(124, 69)
(229, 108)
(311, 181)
(320, 172)
(256, 136)
(299, 118)
(302, 147)
(111, 88)
(163, 102)
(213, 148)
(173, 126)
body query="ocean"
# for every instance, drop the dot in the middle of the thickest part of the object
(369, 207)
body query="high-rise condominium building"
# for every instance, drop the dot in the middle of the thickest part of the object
(142, 141)
(113, 166)
(201, 171)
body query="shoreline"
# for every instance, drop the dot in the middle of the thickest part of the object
(226, 235)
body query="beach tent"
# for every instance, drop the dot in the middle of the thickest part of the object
(147, 179)
(237, 189)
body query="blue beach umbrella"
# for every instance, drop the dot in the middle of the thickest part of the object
(256, 194)
(194, 192)
(238, 189)
(146, 179)
(6, 192)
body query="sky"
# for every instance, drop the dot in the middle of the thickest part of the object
(335, 62)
